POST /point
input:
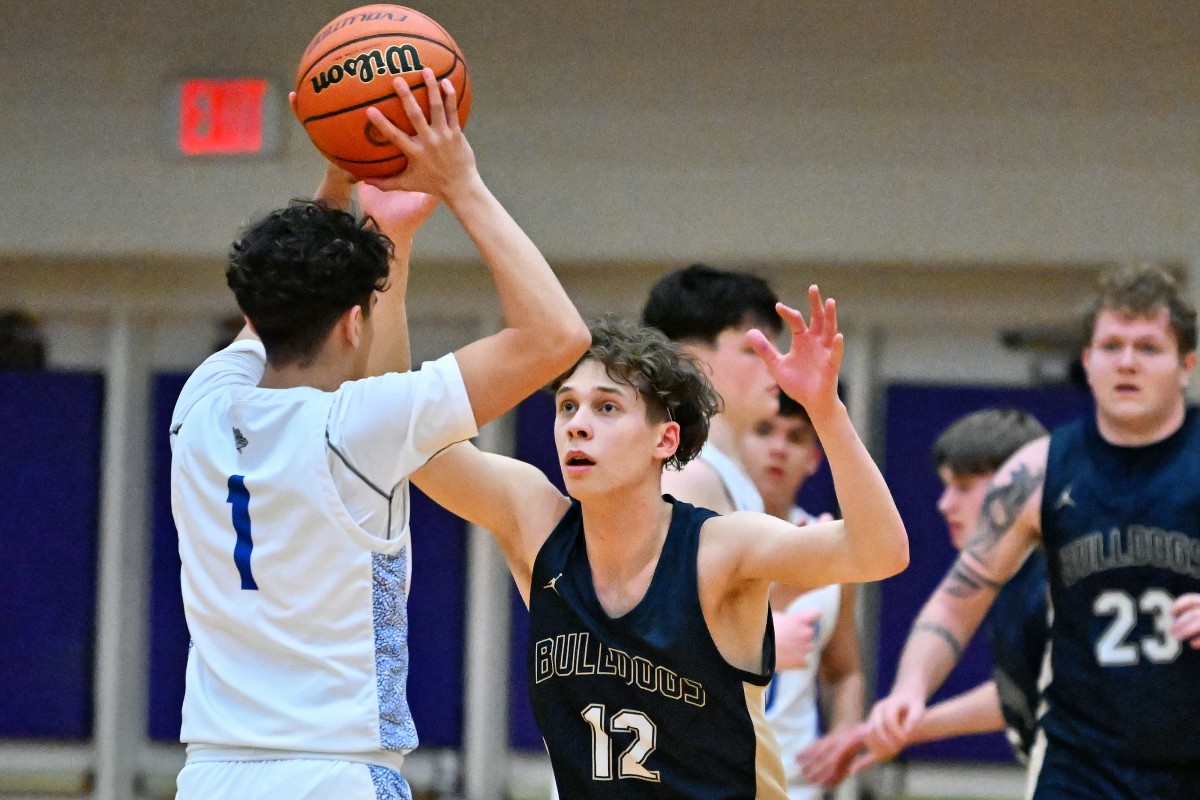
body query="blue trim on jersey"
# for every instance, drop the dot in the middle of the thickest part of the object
(389, 784)
(239, 498)
(389, 603)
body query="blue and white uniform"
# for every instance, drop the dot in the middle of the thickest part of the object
(1121, 527)
(292, 512)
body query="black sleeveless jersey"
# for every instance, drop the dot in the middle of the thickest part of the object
(1017, 623)
(1121, 527)
(643, 705)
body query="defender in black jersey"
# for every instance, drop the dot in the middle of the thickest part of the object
(1115, 502)
(650, 643)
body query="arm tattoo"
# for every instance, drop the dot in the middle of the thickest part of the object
(964, 580)
(945, 635)
(1000, 509)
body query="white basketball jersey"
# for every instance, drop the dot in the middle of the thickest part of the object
(791, 697)
(292, 512)
(738, 484)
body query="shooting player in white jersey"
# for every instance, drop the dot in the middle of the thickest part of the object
(289, 470)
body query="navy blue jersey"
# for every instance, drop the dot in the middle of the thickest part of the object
(1018, 624)
(1121, 527)
(643, 705)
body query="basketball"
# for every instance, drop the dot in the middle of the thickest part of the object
(350, 65)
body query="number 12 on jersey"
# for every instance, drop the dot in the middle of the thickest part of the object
(239, 498)
(632, 763)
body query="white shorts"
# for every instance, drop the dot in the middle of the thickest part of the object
(289, 779)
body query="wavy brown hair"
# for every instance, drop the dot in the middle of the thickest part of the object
(1141, 291)
(670, 382)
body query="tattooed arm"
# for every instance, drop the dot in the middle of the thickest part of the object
(1009, 526)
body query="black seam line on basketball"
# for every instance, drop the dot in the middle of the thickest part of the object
(365, 103)
(370, 161)
(457, 56)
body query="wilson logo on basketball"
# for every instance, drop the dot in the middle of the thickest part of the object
(396, 60)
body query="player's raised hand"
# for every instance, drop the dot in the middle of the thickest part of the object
(440, 160)
(808, 372)
(826, 762)
(1186, 627)
(397, 213)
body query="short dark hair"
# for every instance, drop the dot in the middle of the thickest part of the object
(1141, 291)
(298, 269)
(790, 408)
(670, 382)
(981, 441)
(698, 302)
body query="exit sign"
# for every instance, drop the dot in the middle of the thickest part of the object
(226, 116)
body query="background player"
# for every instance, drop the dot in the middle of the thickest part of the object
(650, 645)
(966, 455)
(709, 311)
(781, 453)
(1113, 498)
(289, 474)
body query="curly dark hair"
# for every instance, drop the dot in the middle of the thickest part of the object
(696, 303)
(298, 269)
(1141, 291)
(670, 382)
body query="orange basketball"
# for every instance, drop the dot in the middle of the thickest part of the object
(350, 65)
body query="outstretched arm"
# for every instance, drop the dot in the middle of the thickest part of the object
(1009, 526)
(870, 543)
(512, 500)
(544, 335)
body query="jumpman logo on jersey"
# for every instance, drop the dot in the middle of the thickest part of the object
(551, 584)
(239, 441)
(1064, 499)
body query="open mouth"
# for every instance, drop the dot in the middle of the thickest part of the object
(579, 460)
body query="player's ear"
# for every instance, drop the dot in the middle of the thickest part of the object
(350, 326)
(1188, 362)
(668, 440)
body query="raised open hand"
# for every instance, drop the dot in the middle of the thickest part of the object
(808, 372)
(440, 159)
